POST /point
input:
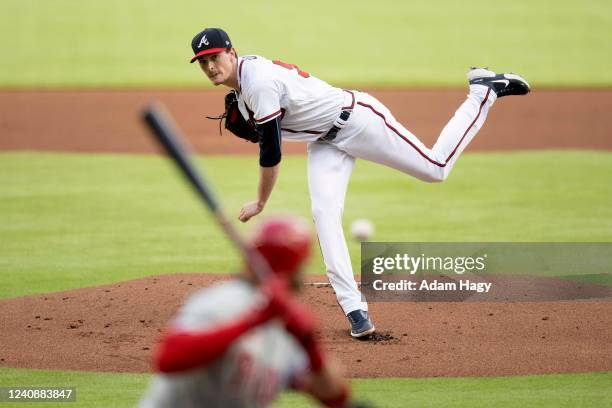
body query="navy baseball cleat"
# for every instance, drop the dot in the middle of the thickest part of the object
(361, 325)
(501, 84)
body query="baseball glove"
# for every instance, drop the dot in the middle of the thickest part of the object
(235, 123)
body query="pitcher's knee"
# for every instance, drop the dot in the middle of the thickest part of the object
(441, 176)
(322, 213)
(437, 175)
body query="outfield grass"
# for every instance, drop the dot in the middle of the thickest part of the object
(70, 221)
(566, 390)
(358, 43)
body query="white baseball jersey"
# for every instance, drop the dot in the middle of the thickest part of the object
(268, 89)
(309, 107)
(252, 372)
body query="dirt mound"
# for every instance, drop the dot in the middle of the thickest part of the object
(115, 327)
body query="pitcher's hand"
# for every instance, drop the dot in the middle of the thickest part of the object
(250, 210)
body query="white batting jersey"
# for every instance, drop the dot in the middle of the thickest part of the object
(268, 89)
(252, 372)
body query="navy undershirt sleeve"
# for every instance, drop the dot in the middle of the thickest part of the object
(270, 143)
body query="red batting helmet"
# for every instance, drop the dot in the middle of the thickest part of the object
(284, 242)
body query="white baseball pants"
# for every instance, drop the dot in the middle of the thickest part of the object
(372, 133)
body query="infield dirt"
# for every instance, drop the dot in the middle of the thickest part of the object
(115, 328)
(109, 121)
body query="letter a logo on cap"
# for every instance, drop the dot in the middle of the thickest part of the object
(203, 41)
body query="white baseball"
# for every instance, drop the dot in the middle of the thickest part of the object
(362, 229)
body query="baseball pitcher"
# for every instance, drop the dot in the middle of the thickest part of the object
(272, 101)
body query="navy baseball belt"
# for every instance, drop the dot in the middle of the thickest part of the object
(341, 121)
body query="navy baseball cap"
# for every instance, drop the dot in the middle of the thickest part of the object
(210, 41)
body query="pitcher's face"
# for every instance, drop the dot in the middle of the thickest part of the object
(219, 67)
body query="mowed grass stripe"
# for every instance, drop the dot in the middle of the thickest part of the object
(72, 220)
(559, 390)
(116, 43)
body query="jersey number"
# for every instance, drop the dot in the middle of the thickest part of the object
(291, 67)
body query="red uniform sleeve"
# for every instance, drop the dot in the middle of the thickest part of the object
(301, 324)
(182, 350)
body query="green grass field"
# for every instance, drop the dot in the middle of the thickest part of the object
(359, 43)
(132, 216)
(563, 390)
(567, 390)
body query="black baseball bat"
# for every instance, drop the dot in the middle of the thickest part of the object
(163, 127)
